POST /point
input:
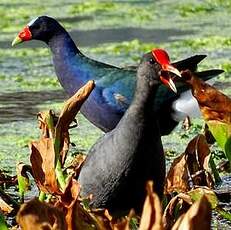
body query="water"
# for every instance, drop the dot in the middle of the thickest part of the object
(117, 34)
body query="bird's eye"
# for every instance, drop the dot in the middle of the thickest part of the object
(151, 61)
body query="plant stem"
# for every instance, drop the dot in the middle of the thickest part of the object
(215, 171)
(42, 196)
(59, 175)
(56, 140)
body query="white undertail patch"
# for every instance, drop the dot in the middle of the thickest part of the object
(186, 105)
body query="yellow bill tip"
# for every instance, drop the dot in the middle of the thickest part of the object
(16, 41)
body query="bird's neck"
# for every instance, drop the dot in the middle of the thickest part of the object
(62, 46)
(138, 126)
(69, 62)
(144, 97)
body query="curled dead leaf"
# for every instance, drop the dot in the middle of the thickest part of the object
(191, 168)
(216, 110)
(198, 217)
(214, 104)
(68, 202)
(180, 204)
(37, 215)
(43, 165)
(176, 207)
(151, 218)
(67, 116)
(73, 105)
(198, 193)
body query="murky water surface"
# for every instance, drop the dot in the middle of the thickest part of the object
(116, 32)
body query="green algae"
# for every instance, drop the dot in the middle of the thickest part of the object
(204, 43)
(203, 7)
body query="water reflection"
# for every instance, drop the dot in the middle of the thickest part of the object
(18, 106)
(100, 36)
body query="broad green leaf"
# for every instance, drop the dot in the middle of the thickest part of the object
(3, 225)
(228, 148)
(222, 133)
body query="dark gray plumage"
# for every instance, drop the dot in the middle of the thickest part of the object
(120, 163)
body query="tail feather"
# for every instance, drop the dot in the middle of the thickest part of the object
(208, 74)
(189, 63)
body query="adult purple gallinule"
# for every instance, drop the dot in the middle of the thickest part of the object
(114, 86)
(120, 163)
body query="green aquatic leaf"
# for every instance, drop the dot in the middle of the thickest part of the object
(222, 133)
(225, 214)
(216, 175)
(23, 179)
(3, 225)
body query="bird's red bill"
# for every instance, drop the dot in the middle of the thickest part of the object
(163, 59)
(25, 34)
(161, 56)
(169, 82)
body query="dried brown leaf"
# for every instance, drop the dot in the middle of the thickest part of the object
(73, 105)
(76, 164)
(151, 218)
(102, 219)
(4, 207)
(191, 168)
(214, 105)
(77, 217)
(68, 201)
(124, 223)
(43, 165)
(46, 120)
(181, 203)
(64, 146)
(177, 177)
(38, 215)
(177, 206)
(198, 217)
(67, 115)
(71, 193)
